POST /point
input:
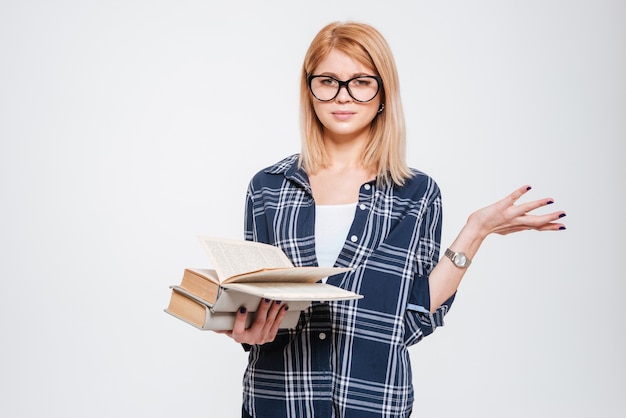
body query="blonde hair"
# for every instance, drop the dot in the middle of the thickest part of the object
(386, 148)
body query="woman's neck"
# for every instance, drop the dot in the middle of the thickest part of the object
(340, 182)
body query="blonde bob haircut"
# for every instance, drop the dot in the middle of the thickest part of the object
(385, 151)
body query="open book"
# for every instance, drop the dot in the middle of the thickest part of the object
(243, 273)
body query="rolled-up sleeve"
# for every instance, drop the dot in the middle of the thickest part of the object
(419, 321)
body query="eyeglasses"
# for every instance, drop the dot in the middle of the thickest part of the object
(362, 89)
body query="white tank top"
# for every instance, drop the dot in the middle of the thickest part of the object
(332, 224)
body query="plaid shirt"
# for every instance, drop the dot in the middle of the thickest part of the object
(348, 358)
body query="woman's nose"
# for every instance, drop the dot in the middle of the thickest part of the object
(343, 95)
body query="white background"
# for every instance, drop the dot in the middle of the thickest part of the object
(128, 128)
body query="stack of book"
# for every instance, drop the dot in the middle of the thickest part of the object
(244, 273)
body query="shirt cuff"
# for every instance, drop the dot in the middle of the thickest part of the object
(419, 299)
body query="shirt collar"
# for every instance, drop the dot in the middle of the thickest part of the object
(289, 168)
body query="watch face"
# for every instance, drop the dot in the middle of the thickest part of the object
(460, 260)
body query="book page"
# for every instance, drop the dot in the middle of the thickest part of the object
(289, 275)
(231, 300)
(232, 257)
(289, 292)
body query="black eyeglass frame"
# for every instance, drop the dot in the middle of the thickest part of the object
(345, 84)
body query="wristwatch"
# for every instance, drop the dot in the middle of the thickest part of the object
(459, 259)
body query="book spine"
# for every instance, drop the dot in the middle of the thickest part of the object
(192, 296)
(220, 291)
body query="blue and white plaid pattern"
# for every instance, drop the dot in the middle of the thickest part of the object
(348, 358)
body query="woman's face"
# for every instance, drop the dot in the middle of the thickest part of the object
(344, 117)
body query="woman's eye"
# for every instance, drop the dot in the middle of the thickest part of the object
(328, 81)
(362, 82)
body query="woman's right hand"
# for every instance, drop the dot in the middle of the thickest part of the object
(265, 326)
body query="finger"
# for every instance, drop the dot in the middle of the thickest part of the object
(525, 208)
(273, 311)
(514, 197)
(262, 310)
(240, 322)
(551, 227)
(552, 224)
(532, 222)
(282, 311)
(545, 227)
(267, 326)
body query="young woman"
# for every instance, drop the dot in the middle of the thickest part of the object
(350, 200)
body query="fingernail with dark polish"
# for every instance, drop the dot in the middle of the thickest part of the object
(549, 202)
(242, 310)
(562, 228)
(286, 307)
(267, 301)
(278, 302)
(562, 215)
(528, 188)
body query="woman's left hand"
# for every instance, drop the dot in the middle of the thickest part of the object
(505, 217)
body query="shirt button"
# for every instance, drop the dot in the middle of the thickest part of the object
(354, 238)
(367, 187)
(362, 206)
(322, 336)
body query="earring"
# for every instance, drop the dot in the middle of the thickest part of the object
(381, 108)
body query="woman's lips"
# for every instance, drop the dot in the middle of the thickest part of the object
(343, 115)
